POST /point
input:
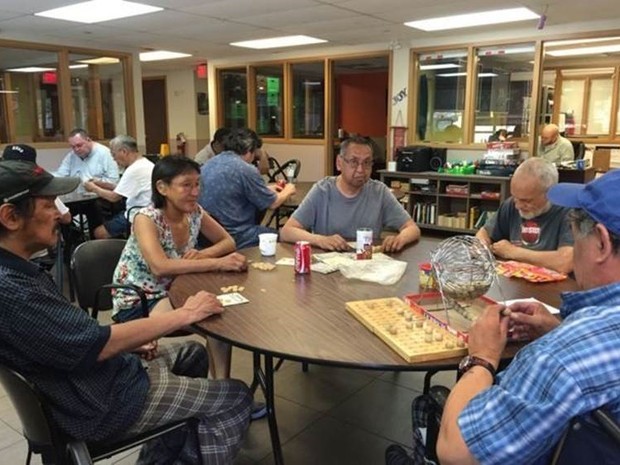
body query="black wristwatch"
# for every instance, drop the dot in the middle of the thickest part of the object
(471, 361)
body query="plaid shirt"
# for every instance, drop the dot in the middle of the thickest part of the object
(55, 345)
(570, 371)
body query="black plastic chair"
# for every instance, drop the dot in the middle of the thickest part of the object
(45, 438)
(92, 267)
(289, 171)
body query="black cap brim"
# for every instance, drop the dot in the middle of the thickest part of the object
(58, 186)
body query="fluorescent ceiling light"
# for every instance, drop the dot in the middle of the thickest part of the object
(465, 74)
(439, 66)
(78, 66)
(274, 42)
(569, 52)
(31, 69)
(558, 43)
(157, 55)
(100, 61)
(9, 92)
(97, 11)
(474, 19)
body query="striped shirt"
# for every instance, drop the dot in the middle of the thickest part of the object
(572, 370)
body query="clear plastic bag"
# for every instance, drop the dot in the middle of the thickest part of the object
(386, 272)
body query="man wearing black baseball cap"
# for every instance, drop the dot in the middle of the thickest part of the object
(95, 386)
(27, 153)
(570, 368)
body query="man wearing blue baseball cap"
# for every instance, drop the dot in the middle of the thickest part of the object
(570, 368)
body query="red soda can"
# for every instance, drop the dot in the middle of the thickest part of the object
(303, 257)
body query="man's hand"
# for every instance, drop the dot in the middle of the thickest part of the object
(289, 189)
(393, 243)
(504, 249)
(233, 262)
(90, 186)
(147, 351)
(488, 335)
(335, 242)
(200, 306)
(531, 320)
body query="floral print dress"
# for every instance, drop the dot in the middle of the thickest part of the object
(133, 269)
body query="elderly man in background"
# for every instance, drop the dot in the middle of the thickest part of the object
(527, 227)
(88, 160)
(214, 147)
(553, 147)
(134, 186)
(337, 206)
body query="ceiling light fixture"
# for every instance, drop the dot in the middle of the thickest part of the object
(100, 61)
(275, 42)
(481, 18)
(30, 69)
(465, 74)
(157, 55)
(439, 66)
(96, 11)
(595, 50)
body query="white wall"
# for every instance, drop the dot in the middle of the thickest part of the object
(310, 156)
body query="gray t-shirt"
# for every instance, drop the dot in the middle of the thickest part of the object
(326, 211)
(560, 151)
(548, 231)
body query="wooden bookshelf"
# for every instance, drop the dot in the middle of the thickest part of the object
(448, 202)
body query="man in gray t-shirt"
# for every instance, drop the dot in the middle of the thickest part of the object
(527, 227)
(337, 206)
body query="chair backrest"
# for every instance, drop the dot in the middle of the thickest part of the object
(92, 266)
(593, 438)
(289, 171)
(579, 148)
(28, 404)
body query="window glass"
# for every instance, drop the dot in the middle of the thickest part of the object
(585, 102)
(503, 91)
(29, 100)
(269, 100)
(97, 95)
(441, 99)
(234, 97)
(308, 100)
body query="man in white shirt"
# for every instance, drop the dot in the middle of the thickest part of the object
(134, 186)
(88, 160)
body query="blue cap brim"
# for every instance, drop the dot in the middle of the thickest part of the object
(566, 194)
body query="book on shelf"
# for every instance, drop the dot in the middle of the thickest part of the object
(474, 213)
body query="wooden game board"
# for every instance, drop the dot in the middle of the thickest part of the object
(410, 334)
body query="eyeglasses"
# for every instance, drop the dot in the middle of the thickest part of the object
(355, 163)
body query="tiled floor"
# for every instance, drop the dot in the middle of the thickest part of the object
(327, 416)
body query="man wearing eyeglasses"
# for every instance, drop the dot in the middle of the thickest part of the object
(337, 206)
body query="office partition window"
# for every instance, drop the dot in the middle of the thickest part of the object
(442, 79)
(97, 95)
(46, 91)
(233, 92)
(269, 85)
(503, 99)
(308, 88)
(30, 107)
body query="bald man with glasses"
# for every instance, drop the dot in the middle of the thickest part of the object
(337, 206)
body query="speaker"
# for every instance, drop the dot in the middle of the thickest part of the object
(437, 159)
(414, 158)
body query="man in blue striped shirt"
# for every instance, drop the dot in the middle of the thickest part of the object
(570, 368)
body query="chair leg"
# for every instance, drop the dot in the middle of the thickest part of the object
(304, 367)
(279, 364)
(29, 457)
